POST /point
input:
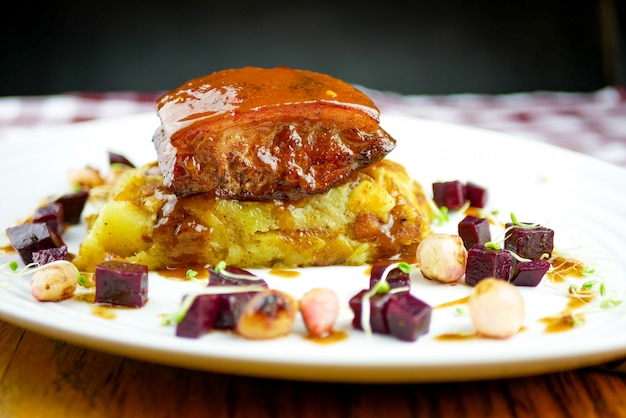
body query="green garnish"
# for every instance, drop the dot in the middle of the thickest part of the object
(82, 280)
(404, 267)
(610, 303)
(14, 269)
(191, 274)
(220, 267)
(382, 287)
(588, 271)
(492, 245)
(588, 285)
(441, 215)
(514, 219)
(602, 289)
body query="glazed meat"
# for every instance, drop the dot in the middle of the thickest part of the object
(257, 134)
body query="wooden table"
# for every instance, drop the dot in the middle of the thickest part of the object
(44, 377)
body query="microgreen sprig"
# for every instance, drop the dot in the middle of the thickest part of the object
(11, 269)
(220, 268)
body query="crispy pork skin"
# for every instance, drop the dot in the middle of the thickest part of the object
(256, 134)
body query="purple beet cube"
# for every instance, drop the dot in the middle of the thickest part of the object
(48, 255)
(474, 230)
(122, 283)
(529, 242)
(115, 158)
(377, 304)
(529, 273)
(230, 305)
(476, 195)
(234, 278)
(396, 277)
(200, 318)
(29, 237)
(484, 262)
(51, 214)
(407, 316)
(450, 194)
(73, 205)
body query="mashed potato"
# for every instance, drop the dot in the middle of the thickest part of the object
(379, 213)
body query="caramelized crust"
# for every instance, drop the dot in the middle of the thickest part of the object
(256, 134)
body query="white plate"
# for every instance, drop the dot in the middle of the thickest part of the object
(580, 198)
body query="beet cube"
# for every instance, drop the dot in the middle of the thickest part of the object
(200, 318)
(230, 305)
(529, 273)
(122, 283)
(450, 194)
(115, 158)
(48, 255)
(483, 262)
(377, 304)
(474, 230)
(476, 195)
(29, 237)
(51, 214)
(234, 279)
(407, 316)
(73, 205)
(396, 277)
(529, 242)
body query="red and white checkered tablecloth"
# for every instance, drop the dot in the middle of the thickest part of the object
(592, 123)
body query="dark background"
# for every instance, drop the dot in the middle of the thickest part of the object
(420, 47)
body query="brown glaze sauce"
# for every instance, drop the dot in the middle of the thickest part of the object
(103, 311)
(465, 337)
(285, 274)
(563, 267)
(8, 249)
(229, 93)
(180, 273)
(461, 301)
(333, 337)
(567, 319)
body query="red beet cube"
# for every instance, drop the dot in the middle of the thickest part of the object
(529, 242)
(407, 316)
(377, 304)
(396, 277)
(483, 262)
(230, 305)
(73, 205)
(48, 255)
(115, 158)
(200, 318)
(529, 273)
(450, 194)
(476, 195)
(29, 237)
(51, 214)
(122, 283)
(474, 230)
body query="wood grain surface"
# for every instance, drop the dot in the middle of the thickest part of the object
(44, 377)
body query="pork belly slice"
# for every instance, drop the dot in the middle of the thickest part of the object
(257, 134)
